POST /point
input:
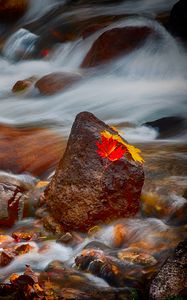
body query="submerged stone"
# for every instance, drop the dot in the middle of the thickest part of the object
(114, 43)
(56, 82)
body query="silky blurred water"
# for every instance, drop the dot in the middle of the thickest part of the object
(148, 84)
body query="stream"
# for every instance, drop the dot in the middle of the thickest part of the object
(148, 84)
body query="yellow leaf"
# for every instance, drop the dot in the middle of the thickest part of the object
(117, 130)
(135, 153)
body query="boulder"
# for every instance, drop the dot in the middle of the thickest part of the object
(56, 82)
(114, 43)
(178, 19)
(12, 10)
(87, 190)
(169, 126)
(171, 280)
(34, 150)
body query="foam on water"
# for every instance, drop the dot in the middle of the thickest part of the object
(38, 260)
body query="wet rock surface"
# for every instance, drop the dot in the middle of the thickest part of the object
(115, 42)
(56, 82)
(82, 192)
(12, 10)
(178, 19)
(40, 154)
(23, 85)
(171, 280)
(169, 126)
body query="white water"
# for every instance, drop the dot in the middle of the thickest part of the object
(147, 84)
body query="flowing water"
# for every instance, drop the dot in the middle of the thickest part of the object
(148, 84)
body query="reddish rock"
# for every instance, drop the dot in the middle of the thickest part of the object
(56, 82)
(23, 85)
(12, 10)
(6, 257)
(22, 249)
(115, 42)
(34, 150)
(82, 192)
(25, 236)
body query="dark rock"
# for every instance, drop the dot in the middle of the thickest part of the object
(56, 82)
(171, 280)
(178, 19)
(169, 126)
(8, 291)
(12, 10)
(114, 43)
(82, 192)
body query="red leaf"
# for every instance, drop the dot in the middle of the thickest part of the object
(108, 148)
(117, 154)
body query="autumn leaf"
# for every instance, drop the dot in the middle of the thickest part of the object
(109, 148)
(134, 152)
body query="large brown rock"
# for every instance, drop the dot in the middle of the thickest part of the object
(171, 280)
(115, 42)
(82, 192)
(56, 82)
(11, 10)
